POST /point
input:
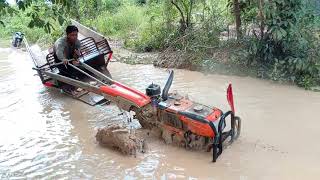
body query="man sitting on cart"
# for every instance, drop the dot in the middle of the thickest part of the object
(66, 48)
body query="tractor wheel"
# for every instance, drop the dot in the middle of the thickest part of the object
(214, 153)
(14, 42)
(236, 128)
(18, 44)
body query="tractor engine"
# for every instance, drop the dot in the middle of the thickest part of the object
(168, 121)
(147, 116)
(154, 92)
(174, 131)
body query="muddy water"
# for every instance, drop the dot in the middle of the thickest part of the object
(44, 134)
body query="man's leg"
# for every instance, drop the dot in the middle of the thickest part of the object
(66, 72)
(74, 73)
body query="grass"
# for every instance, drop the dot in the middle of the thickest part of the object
(124, 23)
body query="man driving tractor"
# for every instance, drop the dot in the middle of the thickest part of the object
(66, 48)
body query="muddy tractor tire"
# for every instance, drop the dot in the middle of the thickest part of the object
(236, 128)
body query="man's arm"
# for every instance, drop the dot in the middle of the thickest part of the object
(60, 50)
(77, 47)
(78, 44)
(77, 51)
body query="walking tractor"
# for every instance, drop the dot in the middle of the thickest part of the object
(180, 120)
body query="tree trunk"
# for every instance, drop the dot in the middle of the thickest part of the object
(77, 10)
(261, 17)
(183, 23)
(237, 15)
(190, 13)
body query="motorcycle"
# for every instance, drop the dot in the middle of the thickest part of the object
(17, 39)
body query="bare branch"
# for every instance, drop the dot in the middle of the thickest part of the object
(179, 9)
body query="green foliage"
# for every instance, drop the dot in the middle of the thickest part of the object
(153, 32)
(141, 2)
(124, 23)
(24, 23)
(157, 24)
(163, 29)
(43, 14)
(5, 9)
(153, 38)
(111, 5)
(287, 49)
(290, 47)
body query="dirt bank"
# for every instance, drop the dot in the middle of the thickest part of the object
(215, 61)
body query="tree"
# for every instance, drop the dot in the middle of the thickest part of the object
(185, 10)
(54, 10)
(237, 15)
(237, 6)
(262, 18)
(5, 9)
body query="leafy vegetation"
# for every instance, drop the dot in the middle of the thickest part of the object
(41, 21)
(288, 44)
(279, 38)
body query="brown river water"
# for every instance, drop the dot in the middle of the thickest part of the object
(47, 135)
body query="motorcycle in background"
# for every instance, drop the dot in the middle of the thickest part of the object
(17, 39)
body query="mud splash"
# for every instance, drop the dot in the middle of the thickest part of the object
(122, 139)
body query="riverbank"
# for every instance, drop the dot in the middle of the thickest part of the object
(221, 60)
(229, 59)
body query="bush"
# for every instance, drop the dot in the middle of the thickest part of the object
(154, 33)
(152, 38)
(111, 5)
(155, 26)
(20, 21)
(290, 48)
(123, 24)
